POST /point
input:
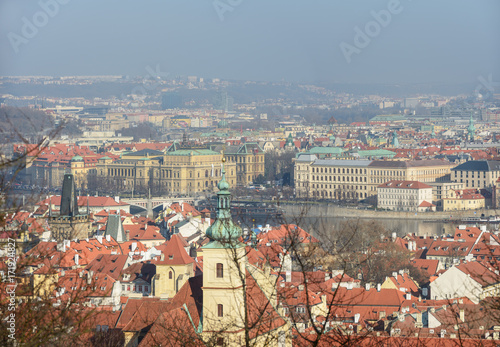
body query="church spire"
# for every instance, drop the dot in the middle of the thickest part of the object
(69, 202)
(224, 230)
(471, 129)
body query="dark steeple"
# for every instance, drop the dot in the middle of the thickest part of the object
(69, 202)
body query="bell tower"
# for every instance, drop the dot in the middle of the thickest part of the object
(224, 274)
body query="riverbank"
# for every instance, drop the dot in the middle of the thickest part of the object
(330, 210)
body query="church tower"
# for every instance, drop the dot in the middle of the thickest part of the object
(224, 274)
(69, 224)
(471, 130)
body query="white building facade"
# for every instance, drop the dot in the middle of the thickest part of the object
(403, 195)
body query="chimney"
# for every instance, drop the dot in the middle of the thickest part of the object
(379, 286)
(133, 246)
(367, 286)
(108, 238)
(462, 315)
(162, 257)
(356, 318)
(77, 259)
(419, 323)
(408, 296)
(394, 235)
(99, 238)
(288, 276)
(117, 199)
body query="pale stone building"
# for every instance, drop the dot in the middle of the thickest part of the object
(403, 195)
(359, 179)
(477, 174)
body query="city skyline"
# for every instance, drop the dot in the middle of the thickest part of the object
(365, 42)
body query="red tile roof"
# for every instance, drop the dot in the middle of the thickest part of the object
(404, 185)
(174, 253)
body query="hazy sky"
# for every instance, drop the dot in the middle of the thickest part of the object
(424, 41)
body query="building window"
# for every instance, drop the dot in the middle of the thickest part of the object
(170, 275)
(220, 341)
(220, 270)
(220, 310)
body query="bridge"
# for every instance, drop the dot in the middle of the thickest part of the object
(159, 201)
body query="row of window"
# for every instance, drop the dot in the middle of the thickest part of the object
(334, 186)
(472, 174)
(136, 288)
(337, 178)
(338, 170)
(339, 195)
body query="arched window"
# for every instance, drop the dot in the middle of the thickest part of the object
(220, 270)
(170, 275)
(220, 310)
(206, 173)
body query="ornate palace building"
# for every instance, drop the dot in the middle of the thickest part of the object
(46, 166)
(181, 169)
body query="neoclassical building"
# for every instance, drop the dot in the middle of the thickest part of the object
(359, 179)
(181, 169)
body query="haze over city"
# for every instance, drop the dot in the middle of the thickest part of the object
(422, 42)
(249, 173)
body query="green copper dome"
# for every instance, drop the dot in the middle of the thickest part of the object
(223, 185)
(223, 233)
(77, 158)
(223, 124)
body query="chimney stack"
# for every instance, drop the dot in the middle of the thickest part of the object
(462, 315)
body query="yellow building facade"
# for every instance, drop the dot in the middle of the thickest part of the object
(181, 169)
(460, 200)
(359, 179)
